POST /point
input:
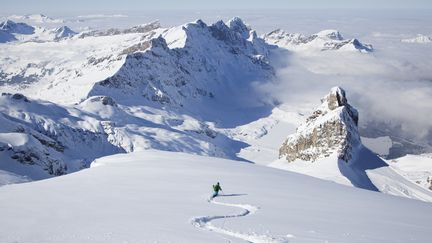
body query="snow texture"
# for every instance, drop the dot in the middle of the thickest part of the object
(153, 196)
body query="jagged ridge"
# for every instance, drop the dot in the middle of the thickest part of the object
(324, 40)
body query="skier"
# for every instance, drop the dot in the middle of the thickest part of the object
(216, 189)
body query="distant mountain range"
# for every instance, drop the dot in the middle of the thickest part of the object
(69, 98)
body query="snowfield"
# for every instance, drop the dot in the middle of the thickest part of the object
(130, 127)
(156, 196)
(416, 168)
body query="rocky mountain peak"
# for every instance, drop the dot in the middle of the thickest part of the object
(158, 42)
(330, 34)
(332, 128)
(335, 98)
(236, 24)
(63, 32)
(18, 28)
(234, 32)
(200, 23)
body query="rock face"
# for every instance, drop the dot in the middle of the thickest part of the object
(331, 128)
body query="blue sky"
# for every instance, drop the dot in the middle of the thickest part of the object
(124, 5)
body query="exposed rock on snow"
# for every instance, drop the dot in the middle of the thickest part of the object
(323, 40)
(105, 100)
(332, 127)
(40, 139)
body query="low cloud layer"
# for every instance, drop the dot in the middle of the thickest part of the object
(391, 87)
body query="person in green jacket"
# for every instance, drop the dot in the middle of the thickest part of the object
(216, 189)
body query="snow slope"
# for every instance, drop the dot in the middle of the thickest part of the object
(46, 71)
(416, 168)
(39, 139)
(155, 196)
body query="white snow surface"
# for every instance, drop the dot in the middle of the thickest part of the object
(156, 196)
(63, 76)
(7, 177)
(416, 168)
(366, 170)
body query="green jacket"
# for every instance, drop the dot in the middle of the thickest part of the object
(217, 188)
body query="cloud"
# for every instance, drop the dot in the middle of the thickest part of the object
(391, 86)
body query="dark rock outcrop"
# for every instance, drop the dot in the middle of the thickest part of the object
(331, 128)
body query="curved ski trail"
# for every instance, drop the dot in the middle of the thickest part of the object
(204, 222)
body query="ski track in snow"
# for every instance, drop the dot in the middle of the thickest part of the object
(204, 222)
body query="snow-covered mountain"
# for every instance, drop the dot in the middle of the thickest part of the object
(16, 28)
(195, 54)
(324, 40)
(8, 30)
(12, 31)
(35, 19)
(328, 146)
(332, 127)
(190, 88)
(40, 139)
(139, 105)
(418, 39)
(143, 88)
(63, 32)
(190, 63)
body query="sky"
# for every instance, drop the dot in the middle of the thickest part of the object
(31, 6)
